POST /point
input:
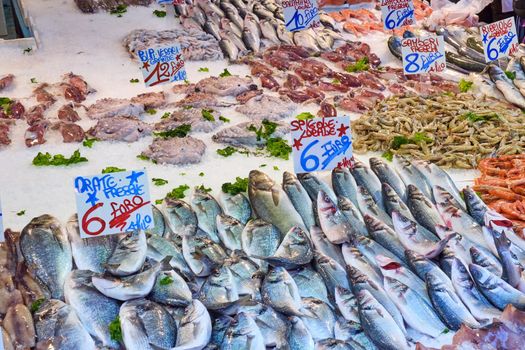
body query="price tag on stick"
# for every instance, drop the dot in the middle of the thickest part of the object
(113, 203)
(499, 39)
(162, 65)
(321, 144)
(423, 55)
(300, 14)
(397, 13)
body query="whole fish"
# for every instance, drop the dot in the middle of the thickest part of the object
(228, 47)
(47, 254)
(364, 177)
(333, 344)
(170, 289)
(94, 309)
(475, 206)
(236, 206)
(319, 318)
(384, 235)
(262, 12)
(464, 63)
(281, 293)
(447, 304)
(441, 195)
(228, 25)
(212, 27)
(378, 324)
(352, 333)
(284, 35)
(194, 331)
(354, 258)
(344, 184)
(229, 231)
(347, 304)
(243, 333)
(505, 86)
(417, 313)
(498, 222)
(246, 275)
(130, 287)
(180, 215)
(466, 289)
(299, 337)
(353, 215)
(206, 208)
(260, 238)
(394, 45)
(321, 243)
(512, 268)
(334, 275)
(310, 284)
(313, 185)
(295, 250)
(485, 259)
(333, 223)
(209, 8)
(159, 248)
(272, 325)
(145, 324)
(235, 18)
(268, 31)
(89, 253)
(251, 23)
(299, 198)
(422, 208)
(457, 247)
(219, 328)
(252, 40)
(367, 205)
(393, 202)
(306, 39)
(271, 204)
(360, 282)
(387, 175)
(160, 227)
(411, 176)
(129, 255)
(58, 325)
(197, 14)
(423, 266)
(18, 325)
(201, 253)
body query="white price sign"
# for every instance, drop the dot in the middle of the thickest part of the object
(300, 14)
(321, 144)
(113, 203)
(423, 55)
(397, 13)
(499, 39)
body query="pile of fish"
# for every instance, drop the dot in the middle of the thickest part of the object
(93, 6)
(381, 256)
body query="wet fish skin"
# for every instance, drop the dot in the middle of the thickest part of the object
(229, 48)
(199, 262)
(347, 304)
(447, 304)
(353, 215)
(505, 85)
(246, 274)
(333, 223)
(352, 332)
(252, 40)
(512, 268)
(268, 31)
(411, 176)
(260, 238)
(475, 206)
(18, 325)
(194, 331)
(422, 208)
(281, 293)
(344, 184)
(354, 258)
(229, 231)
(313, 185)
(367, 205)
(393, 202)
(272, 325)
(485, 260)
(370, 249)
(423, 266)
(175, 293)
(206, 208)
(384, 235)
(237, 206)
(294, 251)
(366, 178)
(299, 198)
(307, 39)
(219, 328)
(319, 318)
(159, 248)
(334, 275)
(299, 337)
(47, 253)
(243, 333)
(394, 45)
(378, 324)
(129, 255)
(310, 284)
(387, 175)
(180, 215)
(321, 243)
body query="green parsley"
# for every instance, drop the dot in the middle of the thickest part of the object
(201, 174)
(277, 147)
(159, 182)
(158, 201)
(151, 111)
(115, 332)
(305, 116)
(182, 174)
(359, 66)
(133, 81)
(187, 107)
(473, 117)
(179, 131)
(262, 165)
(445, 331)
(226, 152)
(186, 81)
(33, 81)
(165, 115)
(5, 104)
(159, 13)
(36, 305)
(207, 114)
(224, 119)
(418, 137)
(46, 159)
(21, 212)
(336, 81)
(119, 10)
(465, 85)
(28, 50)
(268, 126)
(225, 73)
(510, 75)
(275, 167)
(166, 280)
(203, 189)
(388, 155)
(89, 142)
(178, 192)
(240, 185)
(203, 69)
(143, 157)
(112, 169)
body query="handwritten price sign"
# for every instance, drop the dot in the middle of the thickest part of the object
(162, 65)
(397, 13)
(300, 14)
(321, 144)
(423, 55)
(113, 203)
(499, 39)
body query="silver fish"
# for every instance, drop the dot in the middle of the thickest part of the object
(170, 289)
(260, 238)
(466, 289)
(234, 17)
(89, 253)
(423, 266)
(159, 248)
(181, 216)
(228, 25)
(201, 253)
(18, 326)
(271, 204)
(284, 35)
(58, 325)
(197, 14)
(252, 40)
(333, 344)
(411, 176)
(334, 275)
(262, 12)
(160, 225)
(209, 8)
(194, 331)
(229, 48)
(299, 337)
(367, 205)
(393, 202)
(268, 31)
(378, 324)
(447, 304)
(498, 222)
(441, 195)
(95, 310)
(505, 86)
(321, 243)
(344, 184)
(484, 258)
(364, 177)
(423, 209)
(347, 304)
(130, 287)
(272, 325)
(310, 284)
(353, 215)
(319, 318)
(354, 258)
(313, 185)
(295, 250)
(281, 293)
(237, 206)
(387, 175)
(251, 24)
(219, 328)
(243, 333)
(306, 39)
(299, 198)
(219, 290)
(246, 274)
(146, 324)
(370, 249)
(417, 313)
(47, 253)
(212, 27)
(206, 208)
(385, 236)
(475, 206)
(229, 231)
(512, 268)
(129, 255)
(333, 223)
(352, 333)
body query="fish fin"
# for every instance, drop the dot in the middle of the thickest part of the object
(276, 196)
(156, 347)
(439, 246)
(165, 263)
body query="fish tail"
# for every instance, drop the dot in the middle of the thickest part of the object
(165, 263)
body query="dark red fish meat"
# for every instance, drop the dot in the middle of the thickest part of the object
(35, 114)
(71, 132)
(4, 133)
(68, 114)
(258, 69)
(293, 82)
(332, 56)
(35, 134)
(327, 110)
(269, 82)
(6, 81)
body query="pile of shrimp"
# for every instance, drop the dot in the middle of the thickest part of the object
(362, 21)
(502, 186)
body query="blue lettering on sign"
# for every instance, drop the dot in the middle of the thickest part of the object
(299, 21)
(404, 14)
(140, 223)
(108, 186)
(332, 149)
(400, 16)
(428, 60)
(153, 56)
(505, 41)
